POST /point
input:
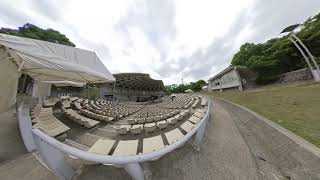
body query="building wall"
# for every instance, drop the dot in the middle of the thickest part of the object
(227, 80)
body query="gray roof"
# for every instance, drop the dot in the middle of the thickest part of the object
(228, 69)
(138, 81)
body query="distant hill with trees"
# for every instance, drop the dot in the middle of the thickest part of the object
(194, 86)
(34, 32)
(279, 55)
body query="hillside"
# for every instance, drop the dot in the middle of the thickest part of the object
(279, 55)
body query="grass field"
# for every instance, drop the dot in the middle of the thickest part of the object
(295, 107)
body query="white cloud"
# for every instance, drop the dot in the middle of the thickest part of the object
(199, 22)
(169, 39)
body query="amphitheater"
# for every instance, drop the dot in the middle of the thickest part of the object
(140, 134)
(119, 129)
(59, 134)
(144, 131)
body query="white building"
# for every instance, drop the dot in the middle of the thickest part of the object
(232, 77)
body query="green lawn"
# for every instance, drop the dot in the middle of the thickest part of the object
(295, 107)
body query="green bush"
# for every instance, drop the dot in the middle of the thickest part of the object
(34, 32)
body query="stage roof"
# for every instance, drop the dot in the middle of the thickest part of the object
(138, 81)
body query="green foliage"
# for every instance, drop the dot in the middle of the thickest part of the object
(279, 55)
(91, 91)
(194, 86)
(34, 32)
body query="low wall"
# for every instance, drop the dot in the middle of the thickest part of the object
(298, 75)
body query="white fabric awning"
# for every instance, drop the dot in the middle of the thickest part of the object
(65, 83)
(46, 61)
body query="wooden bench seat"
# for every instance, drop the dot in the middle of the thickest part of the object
(125, 148)
(194, 119)
(102, 146)
(187, 126)
(150, 127)
(49, 124)
(162, 124)
(121, 129)
(136, 129)
(172, 120)
(173, 136)
(200, 115)
(152, 144)
(53, 131)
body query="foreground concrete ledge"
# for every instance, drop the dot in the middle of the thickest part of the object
(295, 138)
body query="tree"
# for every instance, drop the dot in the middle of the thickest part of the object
(194, 86)
(34, 32)
(197, 86)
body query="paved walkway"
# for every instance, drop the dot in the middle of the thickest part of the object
(278, 153)
(25, 167)
(11, 144)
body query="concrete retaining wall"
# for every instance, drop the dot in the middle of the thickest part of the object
(298, 75)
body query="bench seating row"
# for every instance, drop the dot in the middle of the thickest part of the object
(150, 127)
(130, 147)
(74, 116)
(46, 122)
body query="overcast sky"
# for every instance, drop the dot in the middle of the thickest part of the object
(171, 40)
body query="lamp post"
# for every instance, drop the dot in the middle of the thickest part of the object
(303, 50)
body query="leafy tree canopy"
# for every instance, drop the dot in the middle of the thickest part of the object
(34, 32)
(279, 55)
(194, 86)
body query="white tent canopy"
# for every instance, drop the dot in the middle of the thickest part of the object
(45, 61)
(48, 61)
(65, 83)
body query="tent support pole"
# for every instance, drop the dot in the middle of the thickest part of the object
(24, 82)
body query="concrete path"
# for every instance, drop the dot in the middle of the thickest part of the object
(25, 167)
(278, 153)
(11, 144)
